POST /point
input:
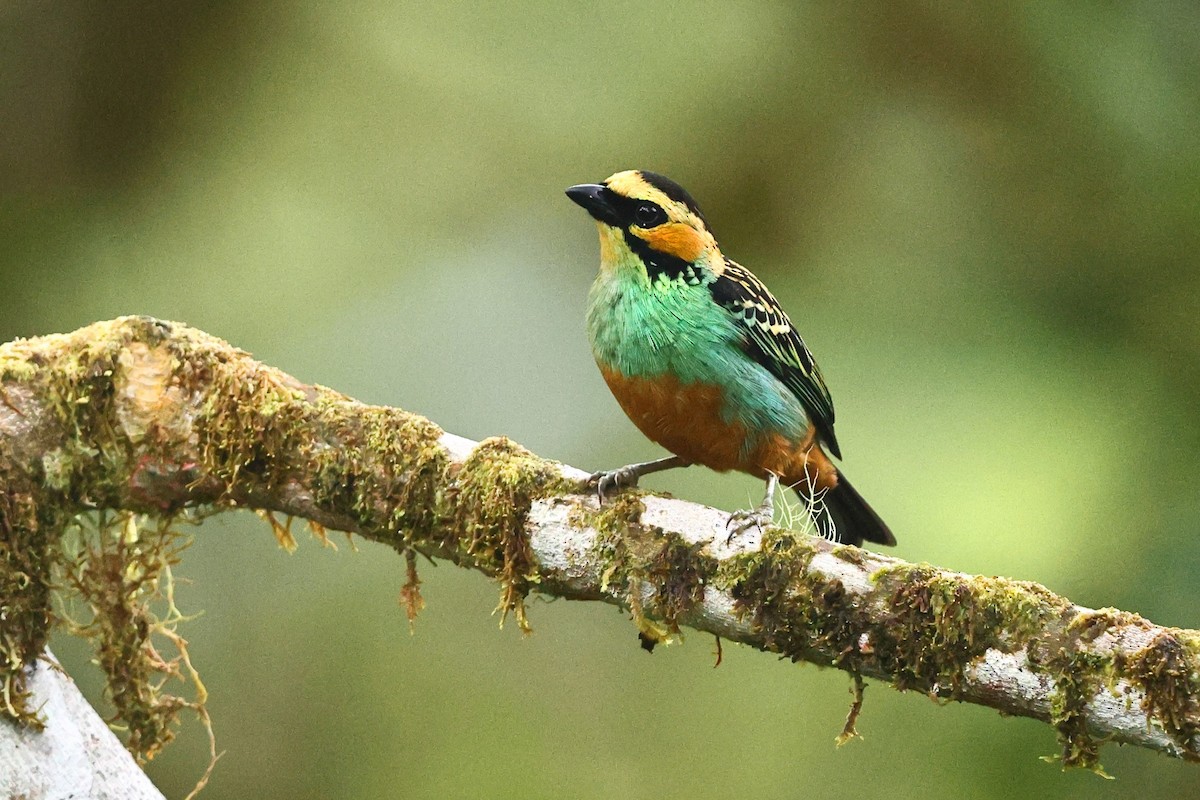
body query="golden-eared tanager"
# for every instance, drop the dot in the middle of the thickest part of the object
(703, 360)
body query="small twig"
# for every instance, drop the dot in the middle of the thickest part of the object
(849, 731)
(410, 593)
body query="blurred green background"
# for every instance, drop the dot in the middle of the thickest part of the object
(984, 219)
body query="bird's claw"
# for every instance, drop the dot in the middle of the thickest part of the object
(609, 481)
(748, 518)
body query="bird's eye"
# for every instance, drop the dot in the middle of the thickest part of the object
(648, 215)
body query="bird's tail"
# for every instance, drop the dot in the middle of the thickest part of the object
(841, 515)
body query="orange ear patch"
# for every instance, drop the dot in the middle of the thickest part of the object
(675, 239)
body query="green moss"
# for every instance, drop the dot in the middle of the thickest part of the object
(120, 568)
(639, 562)
(390, 482)
(1166, 670)
(73, 383)
(116, 573)
(850, 554)
(937, 626)
(942, 622)
(16, 369)
(414, 463)
(246, 417)
(678, 572)
(1088, 626)
(80, 393)
(492, 495)
(764, 576)
(26, 562)
(797, 612)
(616, 524)
(1077, 675)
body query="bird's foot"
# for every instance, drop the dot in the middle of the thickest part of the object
(747, 519)
(607, 482)
(759, 517)
(627, 477)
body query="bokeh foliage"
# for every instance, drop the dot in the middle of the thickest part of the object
(984, 219)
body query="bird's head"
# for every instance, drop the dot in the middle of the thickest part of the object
(651, 223)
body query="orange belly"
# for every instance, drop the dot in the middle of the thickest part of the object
(687, 420)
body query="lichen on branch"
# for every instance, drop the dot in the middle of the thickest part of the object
(110, 435)
(114, 434)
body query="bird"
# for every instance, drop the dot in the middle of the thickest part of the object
(704, 361)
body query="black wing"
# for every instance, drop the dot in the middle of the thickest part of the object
(774, 343)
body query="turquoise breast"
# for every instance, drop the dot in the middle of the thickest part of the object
(672, 328)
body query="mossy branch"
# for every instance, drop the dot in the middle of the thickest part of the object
(146, 421)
